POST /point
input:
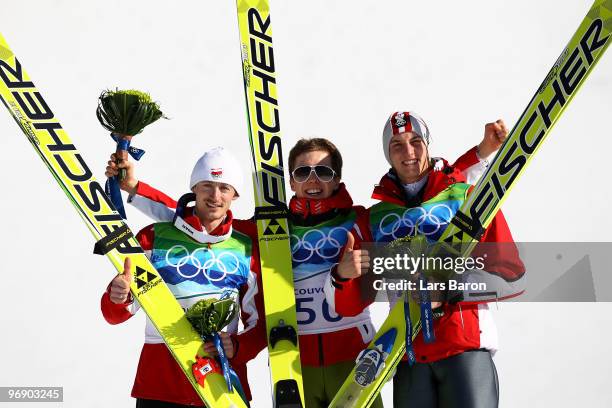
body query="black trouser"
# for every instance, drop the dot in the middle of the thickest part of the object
(467, 380)
(145, 403)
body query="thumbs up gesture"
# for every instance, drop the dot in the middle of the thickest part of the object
(353, 260)
(120, 286)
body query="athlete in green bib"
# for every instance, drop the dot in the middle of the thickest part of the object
(201, 252)
(419, 195)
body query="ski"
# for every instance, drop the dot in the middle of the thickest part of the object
(560, 85)
(271, 211)
(113, 237)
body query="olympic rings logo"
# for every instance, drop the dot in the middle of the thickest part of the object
(416, 220)
(315, 241)
(202, 260)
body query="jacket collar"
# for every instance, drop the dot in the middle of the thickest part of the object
(309, 207)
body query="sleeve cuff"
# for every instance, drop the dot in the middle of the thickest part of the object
(139, 187)
(335, 276)
(485, 161)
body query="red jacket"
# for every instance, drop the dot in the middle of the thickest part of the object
(158, 376)
(464, 326)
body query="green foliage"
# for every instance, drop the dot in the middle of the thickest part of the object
(208, 316)
(127, 112)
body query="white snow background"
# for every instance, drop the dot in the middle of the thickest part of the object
(342, 67)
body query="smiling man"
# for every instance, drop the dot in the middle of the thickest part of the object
(322, 212)
(418, 196)
(203, 234)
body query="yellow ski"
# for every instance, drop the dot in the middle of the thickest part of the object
(270, 201)
(556, 91)
(39, 124)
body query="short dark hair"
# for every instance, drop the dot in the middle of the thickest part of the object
(316, 144)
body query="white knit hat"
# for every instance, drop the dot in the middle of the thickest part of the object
(218, 165)
(402, 122)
